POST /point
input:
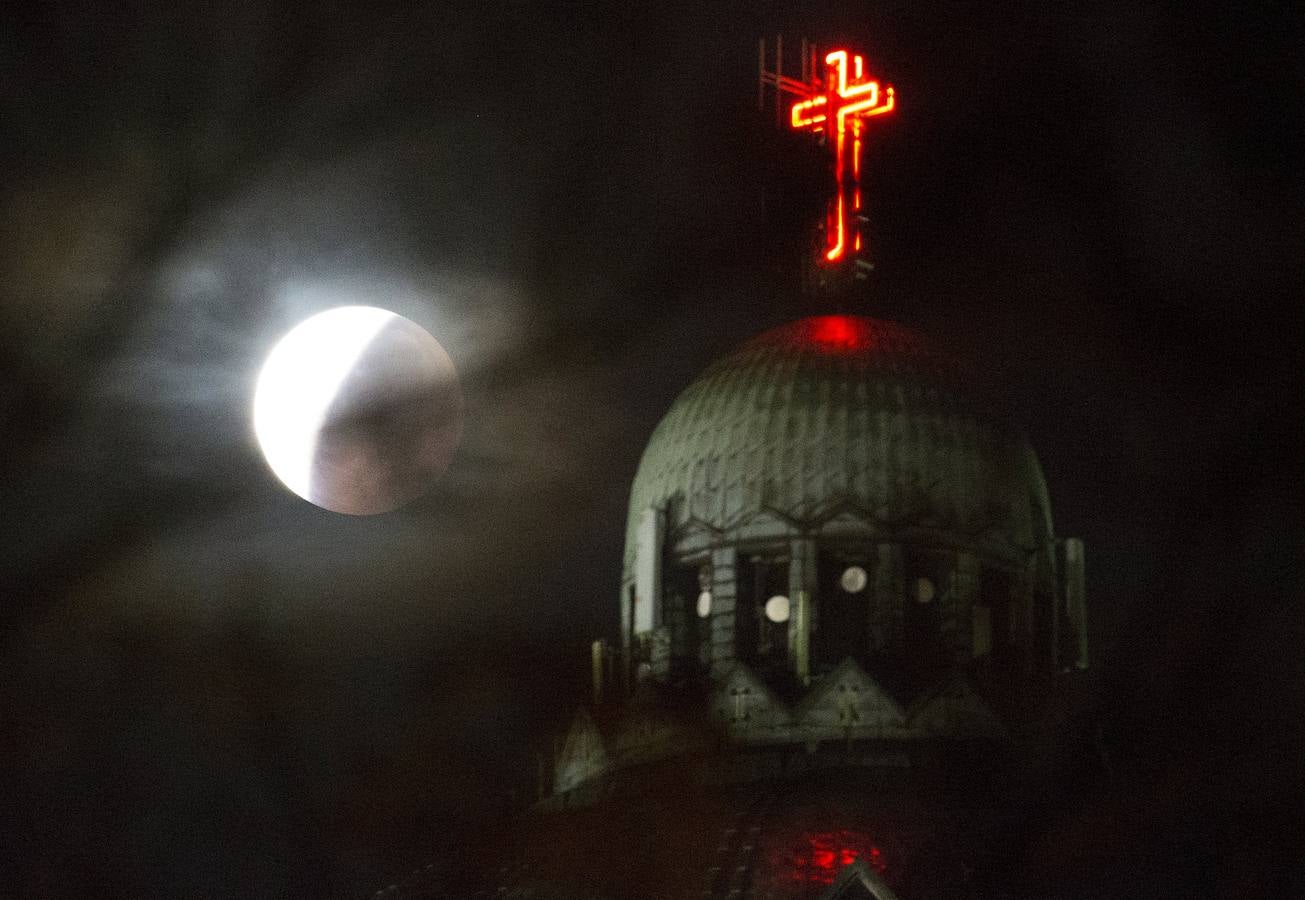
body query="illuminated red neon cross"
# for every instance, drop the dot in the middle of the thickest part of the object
(839, 112)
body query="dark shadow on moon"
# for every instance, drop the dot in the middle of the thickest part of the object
(393, 426)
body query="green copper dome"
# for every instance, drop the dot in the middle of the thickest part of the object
(841, 416)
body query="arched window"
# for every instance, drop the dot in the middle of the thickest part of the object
(995, 608)
(761, 626)
(682, 589)
(844, 597)
(928, 613)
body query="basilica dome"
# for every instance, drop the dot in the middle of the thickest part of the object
(841, 608)
(841, 417)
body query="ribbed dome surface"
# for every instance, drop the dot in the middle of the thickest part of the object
(840, 413)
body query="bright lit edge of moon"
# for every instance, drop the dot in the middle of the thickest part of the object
(299, 381)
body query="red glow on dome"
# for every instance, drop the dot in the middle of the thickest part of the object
(820, 856)
(841, 334)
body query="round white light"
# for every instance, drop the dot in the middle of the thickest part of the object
(924, 590)
(704, 604)
(854, 579)
(777, 609)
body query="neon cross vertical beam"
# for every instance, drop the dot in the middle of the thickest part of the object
(835, 100)
(838, 107)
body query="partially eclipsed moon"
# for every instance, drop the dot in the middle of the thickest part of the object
(358, 410)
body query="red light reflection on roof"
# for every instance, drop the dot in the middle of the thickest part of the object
(820, 856)
(840, 334)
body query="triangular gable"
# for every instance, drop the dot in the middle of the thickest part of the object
(857, 881)
(764, 524)
(847, 700)
(694, 532)
(954, 710)
(583, 754)
(745, 707)
(845, 519)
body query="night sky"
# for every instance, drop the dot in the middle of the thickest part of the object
(209, 687)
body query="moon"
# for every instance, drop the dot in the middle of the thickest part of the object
(358, 410)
